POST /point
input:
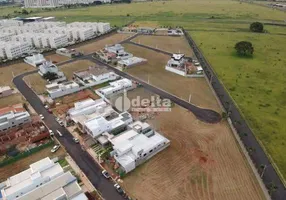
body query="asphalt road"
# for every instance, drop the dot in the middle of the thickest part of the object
(81, 157)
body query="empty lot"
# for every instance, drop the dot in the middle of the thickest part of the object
(203, 162)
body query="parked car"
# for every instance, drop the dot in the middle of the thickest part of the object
(75, 140)
(46, 106)
(105, 174)
(61, 123)
(42, 117)
(55, 148)
(119, 189)
(51, 133)
(60, 134)
(50, 110)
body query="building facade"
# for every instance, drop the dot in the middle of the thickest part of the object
(13, 116)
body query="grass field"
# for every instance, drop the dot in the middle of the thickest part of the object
(258, 85)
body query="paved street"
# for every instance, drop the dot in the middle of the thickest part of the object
(82, 158)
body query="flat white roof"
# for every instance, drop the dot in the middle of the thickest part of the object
(5, 88)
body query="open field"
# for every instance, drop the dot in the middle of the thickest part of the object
(37, 83)
(56, 58)
(256, 84)
(201, 94)
(97, 45)
(166, 43)
(69, 68)
(23, 164)
(6, 73)
(11, 100)
(202, 162)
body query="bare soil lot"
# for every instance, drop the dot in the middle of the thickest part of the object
(97, 45)
(70, 68)
(37, 83)
(6, 73)
(201, 94)
(11, 100)
(24, 163)
(171, 44)
(56, 58)
(203, 162)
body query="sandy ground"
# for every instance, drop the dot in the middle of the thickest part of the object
(97, 45)
(36, 82)
(24, 163)
(68, 69)
(201, 94)
(56, 58)
(171, 44)
(6, 73)
(202, 162)
(11, 100)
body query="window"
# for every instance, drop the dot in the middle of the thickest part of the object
(144, 154)
(150, 150)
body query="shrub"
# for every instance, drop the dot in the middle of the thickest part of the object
(244, 48)
(256, 27)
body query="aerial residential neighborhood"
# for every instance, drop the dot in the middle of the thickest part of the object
(142, 100)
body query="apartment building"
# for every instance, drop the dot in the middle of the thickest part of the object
(103, 27)
(21, 29)
(10, 22)
(41, 3)
(26, 37)
(115, 87)
(97, 27)
(14, 49)
(61, 30)
(43, 180)
(82, 33)
(13, 116)
(5, 37)
(136, 145)
(2, 50)
(45, 24)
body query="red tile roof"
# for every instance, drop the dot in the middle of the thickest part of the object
(15, 108)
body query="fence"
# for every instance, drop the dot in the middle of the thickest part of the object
(25, 154)
(258, 157)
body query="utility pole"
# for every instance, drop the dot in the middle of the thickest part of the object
(190, 97)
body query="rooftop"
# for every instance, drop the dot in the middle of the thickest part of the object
(14, 108)
(4, 88)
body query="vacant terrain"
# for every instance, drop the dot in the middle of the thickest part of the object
(70, 68)
(97, 45)
(202, 162)
(166, 43)
(36, 82)
(24, 163)
(154, 70)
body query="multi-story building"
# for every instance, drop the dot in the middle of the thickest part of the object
(2, 50)
(136, 145)
(56, 41)
(16, 49)
(41, 3)
(10, 22)
(5, 37)
(103, 27)
(115, 87)
(43, 180)
(13, 116)
(45, 24)
(82, 33)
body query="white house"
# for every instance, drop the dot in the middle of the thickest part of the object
(5, 91)
(52, 68)
(107, 122)
(117, 48)
(56, 90)
(35, 60)
(115, 87)
(136, 145)
(129, 62)
(44, 180)
(13, 116)
(95, 75)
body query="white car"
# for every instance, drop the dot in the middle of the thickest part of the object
(51, 133)
(46, 106)
(42, 117)
(55, 148)
(75, 140)
(105, 174)
(60, 134)
(61, 123)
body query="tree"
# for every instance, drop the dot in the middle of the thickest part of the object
(50, 76)
(25, 12)
(256, 27)
(244, 48)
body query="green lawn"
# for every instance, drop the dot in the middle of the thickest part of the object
(258, 84)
